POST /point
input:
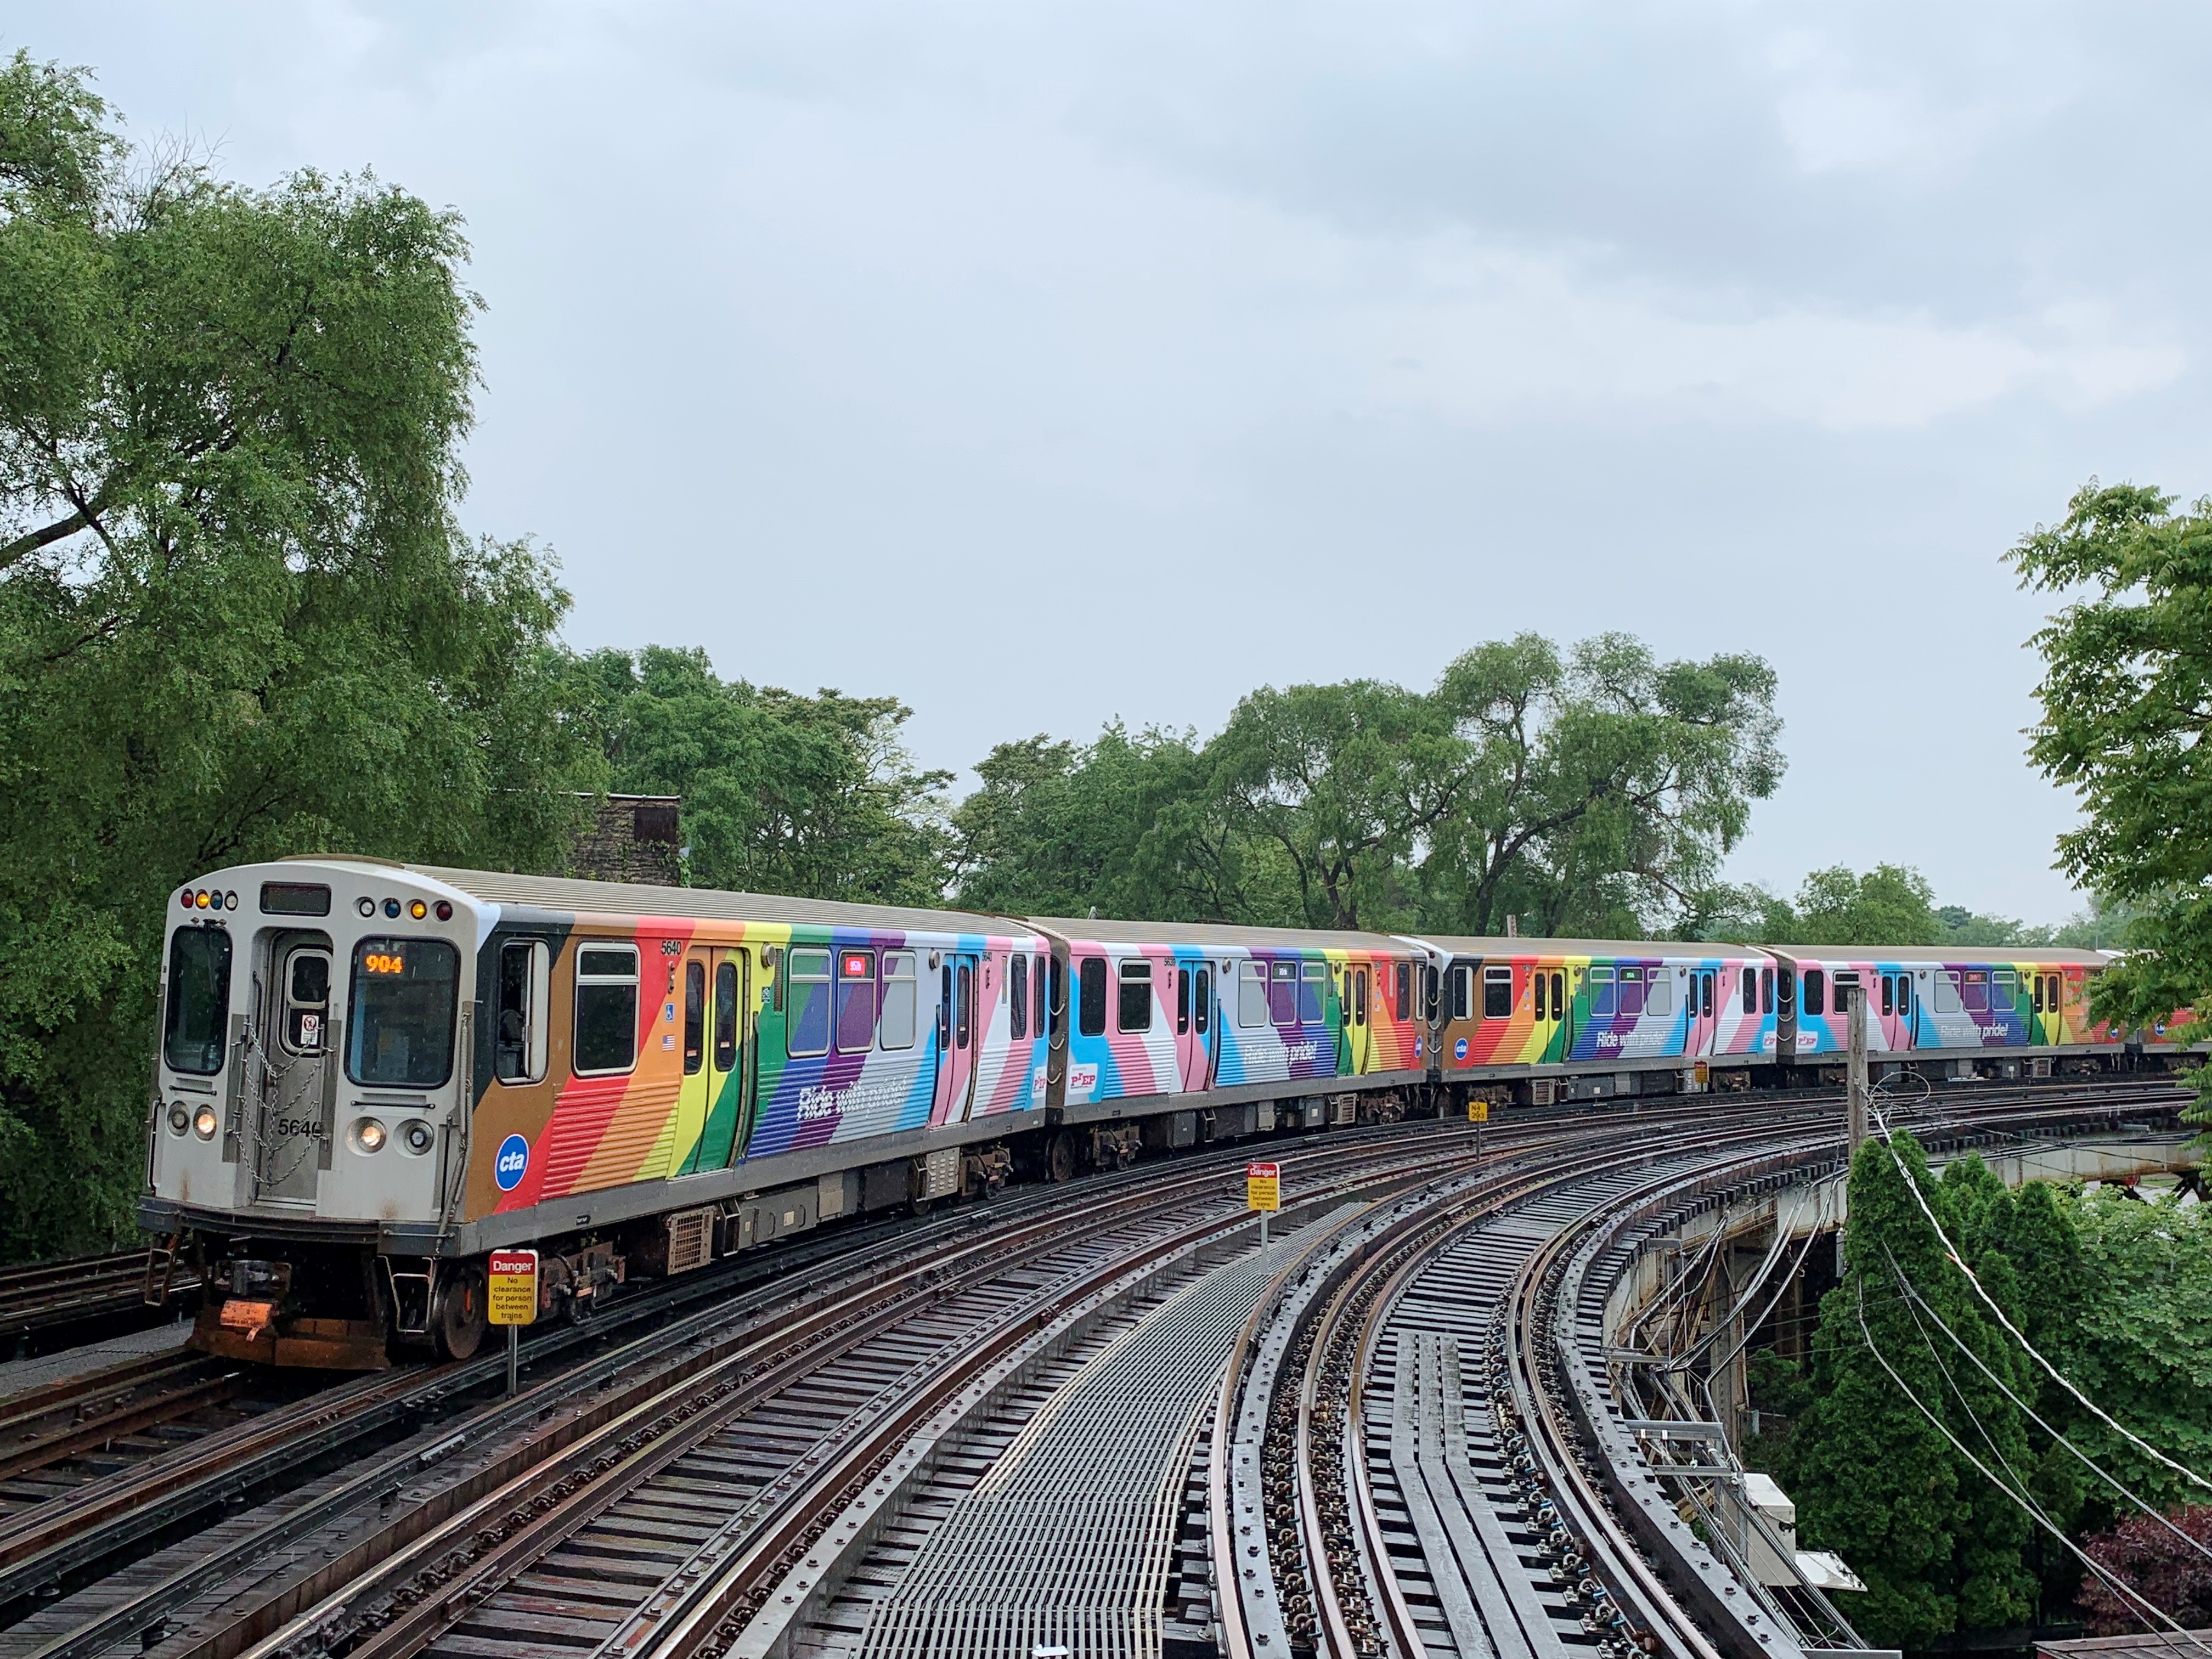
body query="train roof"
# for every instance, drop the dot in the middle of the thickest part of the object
(1999, 954)
(707, 903)
(1526, 944)
(1101, 930)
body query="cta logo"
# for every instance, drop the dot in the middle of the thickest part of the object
(511, 1164)
(1459, 1049)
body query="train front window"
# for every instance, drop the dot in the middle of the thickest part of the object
(199, 1000)
(400, 1026)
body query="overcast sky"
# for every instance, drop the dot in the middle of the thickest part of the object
(1041, 365)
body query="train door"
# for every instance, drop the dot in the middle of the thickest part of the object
(298, 1080)
(1195, 1023)
(726, 1063)
(1356, 992)
(1697, 1012)
(956, 1036)
(689, 1121)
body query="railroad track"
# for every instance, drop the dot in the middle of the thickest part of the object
(46, 1305)
(1420, 1454)
(668, 1387)
(697, 1475)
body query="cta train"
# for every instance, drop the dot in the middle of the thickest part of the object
(372, 1075)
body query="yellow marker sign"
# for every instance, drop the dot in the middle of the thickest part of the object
(1478, 1111)
(1263, 1187)
(513, 1298)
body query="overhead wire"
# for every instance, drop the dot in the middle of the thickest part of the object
(2126, 1592)
(2057, 1376)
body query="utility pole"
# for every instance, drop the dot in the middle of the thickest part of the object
(1855, 1089)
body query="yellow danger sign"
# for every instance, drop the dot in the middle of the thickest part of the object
(512, 1297)
(1263, 1187)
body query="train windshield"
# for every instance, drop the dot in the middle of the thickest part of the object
(200, 999)
(404, 993)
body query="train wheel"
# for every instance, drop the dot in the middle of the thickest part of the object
(1060, 1158)
(460, 1320)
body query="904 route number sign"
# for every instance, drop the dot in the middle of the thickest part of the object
(512, 1298)
(1263, 1187)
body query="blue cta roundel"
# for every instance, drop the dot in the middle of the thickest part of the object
(1459, 1049)
(511, 1164)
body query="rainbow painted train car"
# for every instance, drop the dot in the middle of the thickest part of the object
(370, 1076)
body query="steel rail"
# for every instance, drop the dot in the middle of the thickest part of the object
(930, 1268)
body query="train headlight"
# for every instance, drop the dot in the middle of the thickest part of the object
(204, 1121)
(181, 1118)
(416, 1136)
(367, 1134)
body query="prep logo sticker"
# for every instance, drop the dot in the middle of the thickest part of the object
(511, 1164)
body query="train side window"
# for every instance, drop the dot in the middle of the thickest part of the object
(519, 1028)
(2004, 991)
(856, 1001)
(1135, 1011)
(1767, 990)
(726, 1014)
(1603, 993)
(1658, 992)
(1948, 1001)
(964, 1017)
(1018, 997)
(606, 1008)
(1497, 992)
(695, 1015)
(1706, 996)
(1816, 991)
(1631, 992)
(1283, 993)
(1036, 980)
(1542, 981)
(1251, 993)
(1311, 975)
(1201, 996)
(1750, 991)
(2035, 994)
(1904, 995)
(1182, 1000)
(806, 1027)
(901, 999)
(1974, 992)
(1359, 998)
(1057, 1006)
(1888, 994)
(1404, 997)
(1090, 997)
(1558, 996)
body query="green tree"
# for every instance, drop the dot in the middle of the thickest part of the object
(237, 619)
(1599, 790)
(811, 796)
(1888, 905)
(2126, 696)
(1877, 1461)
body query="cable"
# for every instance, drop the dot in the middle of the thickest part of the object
(2058, 1376)
(1912, 1295)
(2125, 1591)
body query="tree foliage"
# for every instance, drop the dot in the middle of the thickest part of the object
(2171, 1573)
(237, 619)
(2127, 697)
(1596, 789)
(782, 794)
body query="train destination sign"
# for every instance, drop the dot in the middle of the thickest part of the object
(513, 1298)
(1263, 1187)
